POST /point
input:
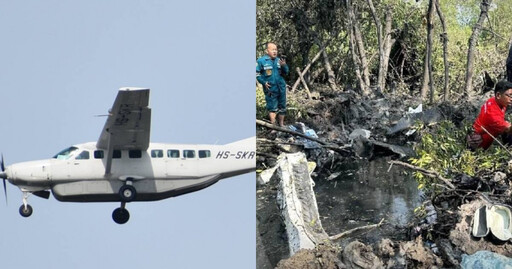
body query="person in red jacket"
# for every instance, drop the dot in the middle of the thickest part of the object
(491, 123)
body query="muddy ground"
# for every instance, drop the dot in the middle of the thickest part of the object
(437, 240)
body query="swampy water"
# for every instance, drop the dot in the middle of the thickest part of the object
(366, 192)
(362, 194)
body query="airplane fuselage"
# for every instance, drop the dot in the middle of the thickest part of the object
(124, 166)
(162, 171)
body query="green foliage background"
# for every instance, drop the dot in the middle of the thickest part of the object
(442, 149)
(299, 25)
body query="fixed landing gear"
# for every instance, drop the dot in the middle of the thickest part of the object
(127, 193)
(25, 209)
(121, 214)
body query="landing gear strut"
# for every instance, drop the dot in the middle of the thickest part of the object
(127, 193)
(25, 209)
(121, 214)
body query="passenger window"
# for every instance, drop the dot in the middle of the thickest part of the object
(134, 154)
(173, 153)
(189, 153)
(98, 154)
(157, 153)
(116, 154)
(84, 155)
(204, 154)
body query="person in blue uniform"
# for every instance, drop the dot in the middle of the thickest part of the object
(269, 71)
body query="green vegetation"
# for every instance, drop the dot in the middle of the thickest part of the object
(442, 149)
(301, 27)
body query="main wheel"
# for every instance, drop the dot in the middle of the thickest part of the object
(26, 211)
(120, 215)
(127, 193)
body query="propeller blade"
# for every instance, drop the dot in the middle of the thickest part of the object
(2, 166)
(2, 163)
(5, 191)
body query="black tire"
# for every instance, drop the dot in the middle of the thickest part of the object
(127, 193)
(26, 212)
(120, 215)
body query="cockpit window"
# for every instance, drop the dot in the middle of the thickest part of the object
(84, 155)
(66, 154)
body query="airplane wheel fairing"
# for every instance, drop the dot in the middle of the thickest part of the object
(26, 212)
(127, 193)
(120, 215)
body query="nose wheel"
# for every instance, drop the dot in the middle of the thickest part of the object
(121, 214)
(25, 209)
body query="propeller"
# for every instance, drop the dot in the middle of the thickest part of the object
(3, 175)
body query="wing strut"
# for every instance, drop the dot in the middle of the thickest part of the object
(110, 153)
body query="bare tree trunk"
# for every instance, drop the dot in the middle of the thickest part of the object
(355, 59)
(484, 8)
(304, 83)
(385, 42)
(426, 81)
(331, 78)
(430, 28)
(358, 37)
(306, 69)
(444, 38)
(378, 25)
(386, 49)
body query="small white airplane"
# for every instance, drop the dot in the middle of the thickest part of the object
(123, 166)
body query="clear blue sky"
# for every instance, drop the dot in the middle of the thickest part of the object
(62, 63)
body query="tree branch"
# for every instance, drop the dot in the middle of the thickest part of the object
(304, 83)
(351, 231)
(426, 172)
(343, 149)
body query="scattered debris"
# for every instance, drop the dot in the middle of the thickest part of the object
(418, 255)
(359, 255)
(359, 132)
(322, 257)
(462, 238)
(297, 203)
(344, 124)
(485, 259)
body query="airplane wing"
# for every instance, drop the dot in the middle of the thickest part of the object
(128, 124)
